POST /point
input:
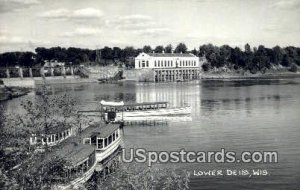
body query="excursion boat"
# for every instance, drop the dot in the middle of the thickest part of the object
(52, 137)
(82, 154)
(79, 163)
(161, 118)
(119, 111)
(105, 139)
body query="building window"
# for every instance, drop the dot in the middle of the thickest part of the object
(100, 143)
(158, 63)
(139, 63)
(147, 63)
(143, 63)
(154, 63)
(87, 141)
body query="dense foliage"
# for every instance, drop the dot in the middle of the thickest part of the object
(258, 59)
(253, 59)
(133, 177)
(20, 163)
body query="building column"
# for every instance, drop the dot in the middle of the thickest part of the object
(42, 72)
(30, 72)
(72, 70)
(52, 71)
(63, 71)
(21, 72)
(7, 73)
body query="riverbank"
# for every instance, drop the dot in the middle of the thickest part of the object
(269, 74)
(254, 76)
(32, 82)
(7, 93)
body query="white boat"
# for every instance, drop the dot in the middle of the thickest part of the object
(125, 111)
(160, 118)
(156, 112)
(86, 153)
(80, 163)
(106, 139)
(78, 181)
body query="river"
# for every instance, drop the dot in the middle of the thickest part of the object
(242, 115)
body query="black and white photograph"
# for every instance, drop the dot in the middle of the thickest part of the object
(149, 94)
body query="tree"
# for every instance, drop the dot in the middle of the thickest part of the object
(9, 59)
(168, 48)
(27, 59)
(117, 52)
(195, 52)
(293, 68)
(286, 61)
(159, 49)
(181, 48)
(247, 49)
(278, 55)
(107, 53)
(147, 49)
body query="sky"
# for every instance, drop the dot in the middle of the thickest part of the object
(27, 24)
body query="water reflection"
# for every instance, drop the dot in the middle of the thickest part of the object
(238, 115)
(241, 95)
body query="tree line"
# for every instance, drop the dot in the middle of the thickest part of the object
(253, 59)
(76, 56)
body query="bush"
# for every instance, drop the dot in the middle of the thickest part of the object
(293, 68)
(205, 67)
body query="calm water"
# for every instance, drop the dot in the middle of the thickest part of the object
(239, 116)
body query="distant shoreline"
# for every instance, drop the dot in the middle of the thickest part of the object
(224, 75)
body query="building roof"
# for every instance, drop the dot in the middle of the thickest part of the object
(138, 104)
(143, 103)
(101, 130)
(57, 129)
(71, 150)
(171, 54)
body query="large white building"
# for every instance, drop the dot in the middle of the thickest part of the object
(166, 60)
(170, 66)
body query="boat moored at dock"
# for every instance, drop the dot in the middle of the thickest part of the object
(105, 139)
(119, 111)
(51, 137)
(77, 165)
(73, 160)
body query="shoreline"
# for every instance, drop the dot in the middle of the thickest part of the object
(8, 93)
(221, 76)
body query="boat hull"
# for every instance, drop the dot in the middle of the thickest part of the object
(154, 112)
(78, 181)
(101, 155)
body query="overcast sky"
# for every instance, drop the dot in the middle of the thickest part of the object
(27, 24)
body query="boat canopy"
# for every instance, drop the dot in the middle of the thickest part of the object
(105, 103)
(100, 130)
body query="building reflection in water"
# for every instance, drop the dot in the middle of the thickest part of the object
(177, 94)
